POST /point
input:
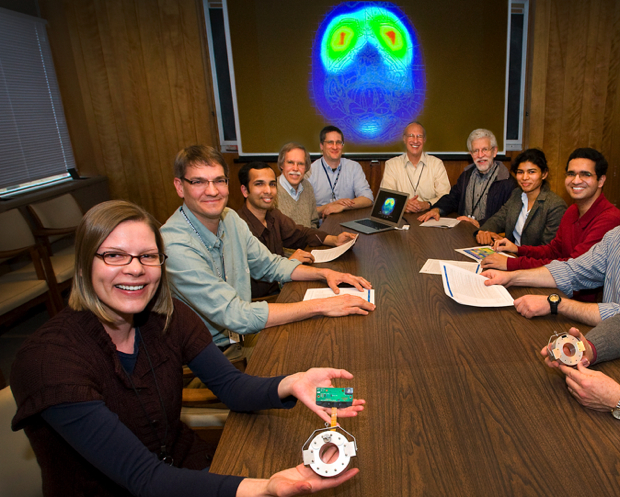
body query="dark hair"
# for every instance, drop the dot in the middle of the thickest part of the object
(532, 155)
(198, 155)
(244, 172)
(600, 163)
(330, 129)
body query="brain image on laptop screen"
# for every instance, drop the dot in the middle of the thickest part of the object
(388, 206)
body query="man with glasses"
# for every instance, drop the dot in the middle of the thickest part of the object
(415, 172)
(482, 188)
(583, 224)
(295, 193)
(338, 183)
(213, 256)
(599, 266)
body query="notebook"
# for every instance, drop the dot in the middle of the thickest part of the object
(386, 214)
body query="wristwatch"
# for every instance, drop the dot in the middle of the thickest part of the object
(615, 412)
(554, 300)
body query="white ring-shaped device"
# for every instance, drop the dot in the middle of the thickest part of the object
(325, 436)
(556, 349)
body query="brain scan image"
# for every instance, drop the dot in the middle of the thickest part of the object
(367, 73)
(388, 206)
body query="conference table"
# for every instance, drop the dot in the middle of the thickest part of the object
(459, 400)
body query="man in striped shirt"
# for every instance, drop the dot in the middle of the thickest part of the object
(599, 266)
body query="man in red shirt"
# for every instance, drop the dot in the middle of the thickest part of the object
(583, 224)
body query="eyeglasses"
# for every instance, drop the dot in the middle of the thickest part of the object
(483, 151)
(581, 174)
(411, 135)
(293, 163)
(219, 183)
(331, 143)
(123, 259)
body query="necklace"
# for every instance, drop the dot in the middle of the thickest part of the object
(217, 269)
(163, 452)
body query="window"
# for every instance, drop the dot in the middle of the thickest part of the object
(34, 140)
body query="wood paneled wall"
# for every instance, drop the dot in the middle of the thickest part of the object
(136, 88)
(136, 85)
(575, 84)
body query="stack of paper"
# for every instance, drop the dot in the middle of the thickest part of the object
(323, 293)
(432, 266)
(444, 222)
(469, 289)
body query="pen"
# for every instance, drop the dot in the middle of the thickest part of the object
(478, 269)
(368, 295)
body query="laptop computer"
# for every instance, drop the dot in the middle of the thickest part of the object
(386, 214)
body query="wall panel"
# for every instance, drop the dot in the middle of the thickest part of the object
(574, 84)
(138, 85)
(136, 88)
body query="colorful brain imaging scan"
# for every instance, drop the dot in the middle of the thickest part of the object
(388, 206)
(367, 73)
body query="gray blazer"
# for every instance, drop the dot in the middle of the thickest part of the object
(541, 224)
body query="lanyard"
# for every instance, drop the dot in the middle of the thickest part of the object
(486, 187)
(219, 273)
(415, 189)
(330, 181)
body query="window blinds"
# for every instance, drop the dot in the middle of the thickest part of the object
(34, 141)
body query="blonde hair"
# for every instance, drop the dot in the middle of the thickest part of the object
(95, 227)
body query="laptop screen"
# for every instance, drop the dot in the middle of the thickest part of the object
(389, 205)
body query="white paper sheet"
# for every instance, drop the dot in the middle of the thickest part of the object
(332, 253)
(469, 289)
(444, 222)
(324, 293)
(432, 266)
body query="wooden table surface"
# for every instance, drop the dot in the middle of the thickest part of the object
(459, 401)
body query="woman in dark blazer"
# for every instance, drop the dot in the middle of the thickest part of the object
(532, 214)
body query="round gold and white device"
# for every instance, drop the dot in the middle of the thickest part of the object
(325, 438)
(565, 348)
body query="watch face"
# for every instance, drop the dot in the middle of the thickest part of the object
(554, 298)
(615, 413)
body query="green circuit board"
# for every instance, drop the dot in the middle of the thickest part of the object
(334, 397)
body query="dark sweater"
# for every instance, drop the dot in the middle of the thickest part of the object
(499, 193)
(72, 360)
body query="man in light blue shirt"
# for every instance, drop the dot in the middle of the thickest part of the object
(338, 183)
(213, 256)
(599, 266)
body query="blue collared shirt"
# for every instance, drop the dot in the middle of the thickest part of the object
(214, 277)
(598, 266)
(291, 191)
(351, 183)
